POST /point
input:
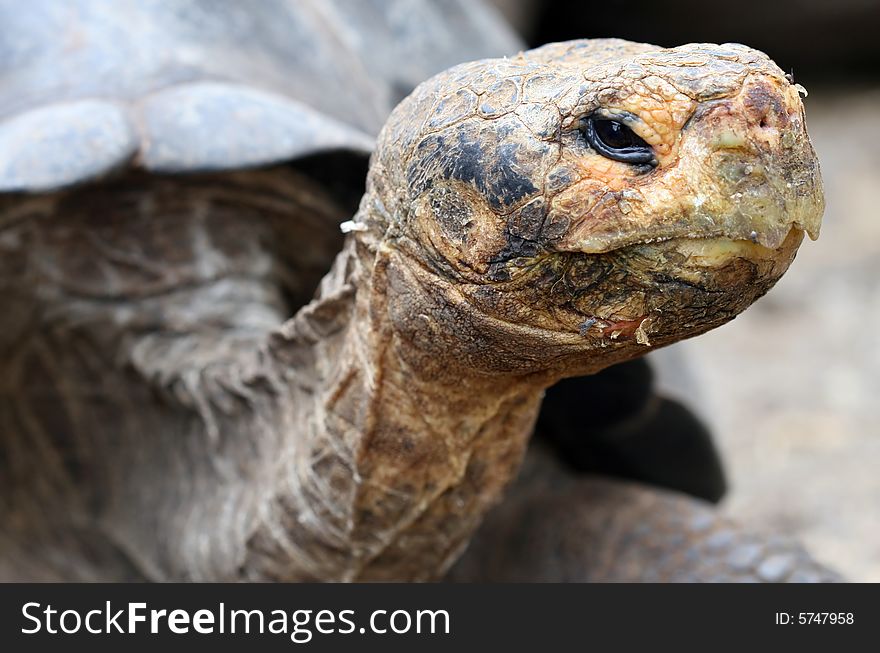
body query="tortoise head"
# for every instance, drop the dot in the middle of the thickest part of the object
(579, 203)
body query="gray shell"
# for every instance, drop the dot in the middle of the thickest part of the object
(90, 86)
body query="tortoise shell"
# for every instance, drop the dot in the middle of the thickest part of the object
(188, 85)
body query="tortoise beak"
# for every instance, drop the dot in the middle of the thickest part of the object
(766, 175)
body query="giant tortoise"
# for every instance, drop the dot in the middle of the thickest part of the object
(202, 381)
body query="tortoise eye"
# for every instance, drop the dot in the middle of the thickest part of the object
(614, 140)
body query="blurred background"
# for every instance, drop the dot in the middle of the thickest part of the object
(791, 388)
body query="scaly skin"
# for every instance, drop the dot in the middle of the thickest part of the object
(493, 254)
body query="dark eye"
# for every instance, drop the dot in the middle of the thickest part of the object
(614, 140)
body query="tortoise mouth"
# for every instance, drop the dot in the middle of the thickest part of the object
(704, 262)
(713, 264)
(716, 251)
(711, 244)
(684, 256)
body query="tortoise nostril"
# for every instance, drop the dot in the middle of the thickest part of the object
(764, 106)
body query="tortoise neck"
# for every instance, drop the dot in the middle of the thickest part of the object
(396, 468)
(430, 457)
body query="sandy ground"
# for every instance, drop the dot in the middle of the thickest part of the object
(792, 386)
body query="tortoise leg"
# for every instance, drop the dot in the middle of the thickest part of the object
(631, 432)
(558, 527)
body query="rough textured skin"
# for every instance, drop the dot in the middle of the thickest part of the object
(162, 420)
(620, 532)
(506, 204)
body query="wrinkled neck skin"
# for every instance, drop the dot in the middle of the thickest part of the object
(397, 453)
